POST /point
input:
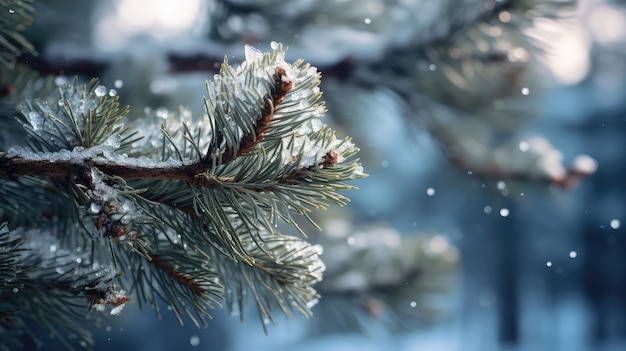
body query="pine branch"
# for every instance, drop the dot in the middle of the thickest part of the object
(192, 220)
(282, 85)
(469, 89)
(538, 162)
(44, 279)
(75, 164)
(282, 277)
(182, 278)
(375, 273)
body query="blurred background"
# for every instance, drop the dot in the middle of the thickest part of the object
(484, 224)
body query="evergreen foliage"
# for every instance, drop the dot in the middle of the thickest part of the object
(96, 213)
(98, 209)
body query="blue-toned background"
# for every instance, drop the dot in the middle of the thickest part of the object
(546, 274)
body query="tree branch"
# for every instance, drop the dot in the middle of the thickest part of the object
(282, 85)
(581, 168)
(181, 278)
(15, 166)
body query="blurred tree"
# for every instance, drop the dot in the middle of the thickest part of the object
(185, 211)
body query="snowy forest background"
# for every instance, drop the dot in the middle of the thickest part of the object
(539, 267)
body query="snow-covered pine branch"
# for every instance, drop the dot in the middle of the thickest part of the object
(473, 89)
(189, 214)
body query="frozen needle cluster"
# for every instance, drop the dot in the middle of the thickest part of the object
(187, 215)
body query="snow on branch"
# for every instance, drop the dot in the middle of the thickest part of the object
(189, 215)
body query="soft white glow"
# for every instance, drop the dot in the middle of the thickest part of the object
(158, 19)
(438, 245)
(176, 15)
(194, 340)
(159, 15)
(109, 36)
(135, 13)
(607, 24)
(615, 223)
(567, 54)
(569, 60)
(524, 146)
(584, 164)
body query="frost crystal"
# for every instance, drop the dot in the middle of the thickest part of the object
(100, 90)
(102, 192)
(115, 298)
(252, 54)
(113, 141)
(117, 310)
(35, 119)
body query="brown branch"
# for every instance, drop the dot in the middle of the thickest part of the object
(182, 278)
(106, 296)
(331, 157)
(16, 166)
(567, 181)
(282, 86)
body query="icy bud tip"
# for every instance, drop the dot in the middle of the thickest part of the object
(283, 79)
(584, 165)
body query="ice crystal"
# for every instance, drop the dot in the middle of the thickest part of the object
(100, 90)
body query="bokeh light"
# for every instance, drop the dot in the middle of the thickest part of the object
(124, 22)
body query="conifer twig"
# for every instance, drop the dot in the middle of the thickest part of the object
(180, 277)
(15, 166)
